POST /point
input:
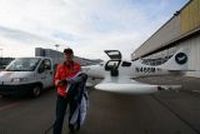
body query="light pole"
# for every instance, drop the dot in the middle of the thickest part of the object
(1, 49)
(56, 45)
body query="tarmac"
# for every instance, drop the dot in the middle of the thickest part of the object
(165, 112)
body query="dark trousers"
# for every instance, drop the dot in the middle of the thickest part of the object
(61, 106)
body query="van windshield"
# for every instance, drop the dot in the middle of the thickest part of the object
(23, 64)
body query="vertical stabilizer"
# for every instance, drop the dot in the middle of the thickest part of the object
(178, 62)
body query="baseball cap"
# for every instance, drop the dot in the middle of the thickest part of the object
(68, 51)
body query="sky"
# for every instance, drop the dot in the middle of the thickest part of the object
(87, 26)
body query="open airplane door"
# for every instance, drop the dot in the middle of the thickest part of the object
(113, 64)
(114, 54)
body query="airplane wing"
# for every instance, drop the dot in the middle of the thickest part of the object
(128, 86)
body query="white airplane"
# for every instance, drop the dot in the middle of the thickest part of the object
(118, 75)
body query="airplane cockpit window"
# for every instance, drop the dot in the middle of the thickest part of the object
(126, 64)
(112, 64)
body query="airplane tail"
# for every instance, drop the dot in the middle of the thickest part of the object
(178, 62)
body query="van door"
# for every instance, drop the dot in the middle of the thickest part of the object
(45, 71)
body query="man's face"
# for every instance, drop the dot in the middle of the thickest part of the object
(68, 57)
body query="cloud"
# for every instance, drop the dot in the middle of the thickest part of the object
(89, 26)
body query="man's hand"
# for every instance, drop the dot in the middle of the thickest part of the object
(61, 82)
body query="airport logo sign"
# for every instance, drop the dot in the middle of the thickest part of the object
(181, 58)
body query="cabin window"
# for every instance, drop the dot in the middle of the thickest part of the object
(126, 64)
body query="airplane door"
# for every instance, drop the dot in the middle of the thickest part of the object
(114, 54)
(113, 64)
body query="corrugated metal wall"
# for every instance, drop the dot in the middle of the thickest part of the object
(194, 62)
(180, 24)
(190, 17)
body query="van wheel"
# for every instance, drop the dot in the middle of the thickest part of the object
(36, 91)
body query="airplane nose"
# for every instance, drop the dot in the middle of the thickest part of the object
(93, 71)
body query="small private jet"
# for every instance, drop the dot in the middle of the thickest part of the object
(119, 76)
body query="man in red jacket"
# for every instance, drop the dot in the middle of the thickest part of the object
(64, 71)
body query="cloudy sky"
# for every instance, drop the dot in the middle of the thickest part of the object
(87, 26)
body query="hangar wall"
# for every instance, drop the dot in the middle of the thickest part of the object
(189, 16)
(194, 57)
(183, 23)
(182, 30)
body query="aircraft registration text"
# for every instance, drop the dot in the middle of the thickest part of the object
(145, 69)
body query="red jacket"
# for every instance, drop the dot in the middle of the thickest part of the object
(64, 71)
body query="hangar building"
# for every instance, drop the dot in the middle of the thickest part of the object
(182, 30)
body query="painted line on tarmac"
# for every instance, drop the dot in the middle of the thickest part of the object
(12, 105)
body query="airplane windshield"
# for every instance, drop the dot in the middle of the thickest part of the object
(23, 64)
(112, 64)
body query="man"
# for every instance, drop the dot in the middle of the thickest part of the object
(64, 71)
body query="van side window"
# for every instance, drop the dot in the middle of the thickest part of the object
(47, 64)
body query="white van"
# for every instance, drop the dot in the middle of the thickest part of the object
(27, 75)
